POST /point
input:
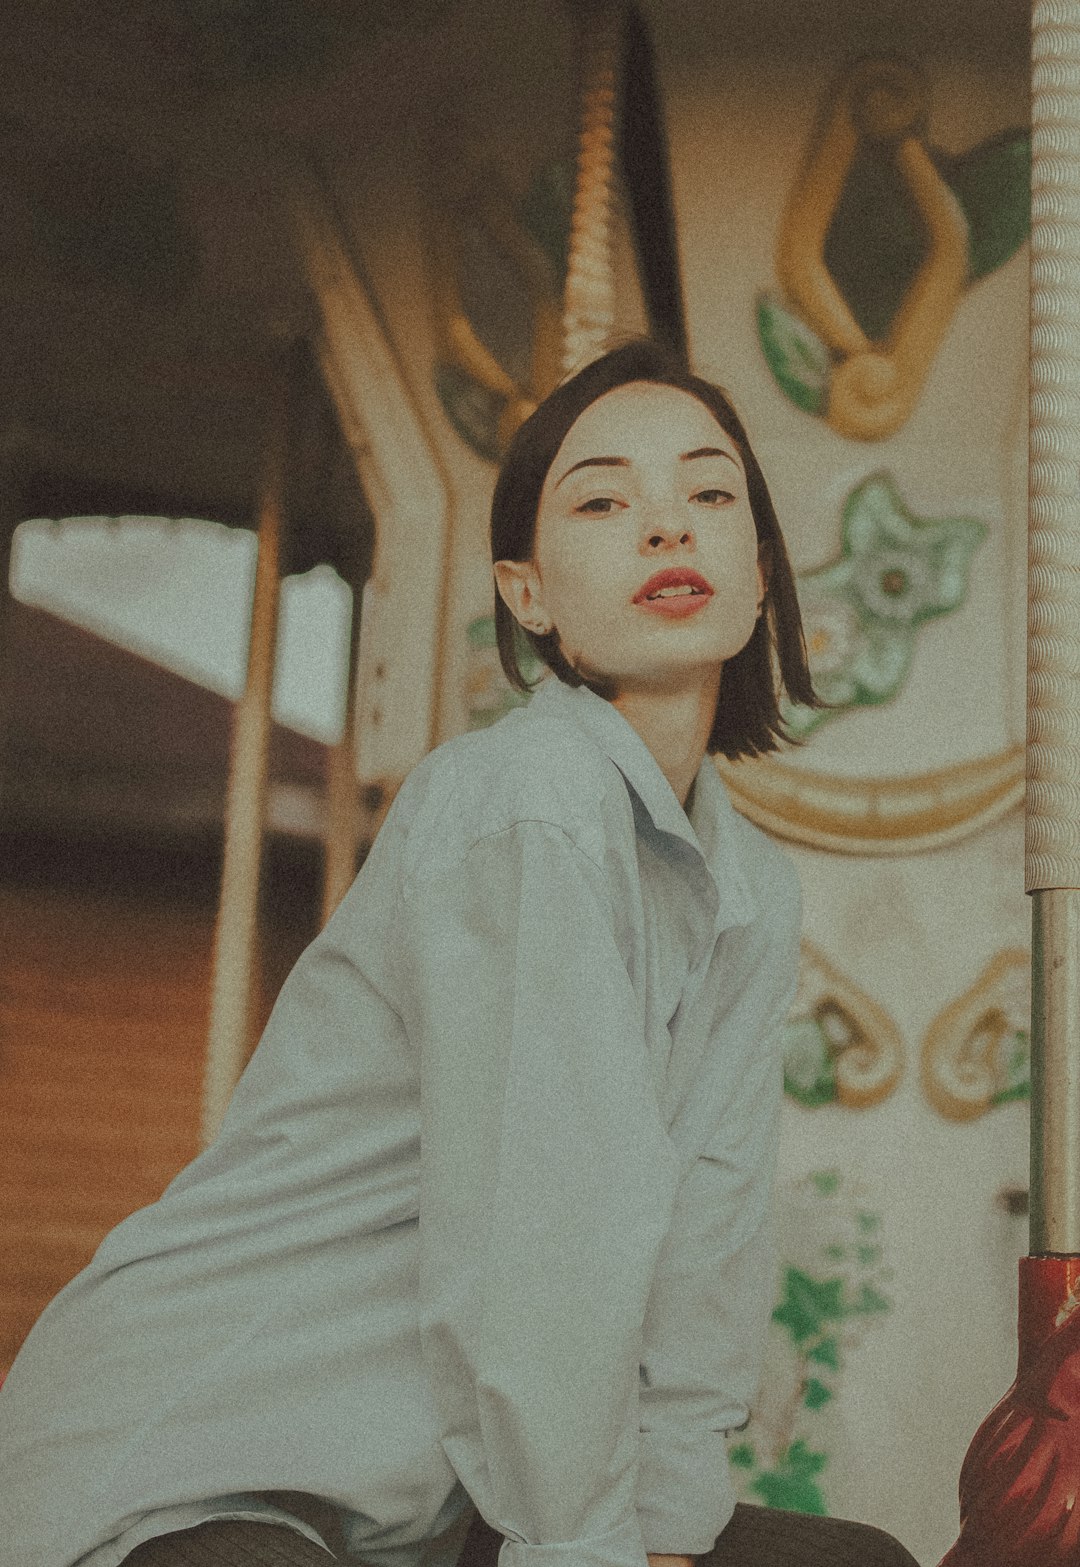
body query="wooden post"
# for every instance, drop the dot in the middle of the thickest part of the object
(13, 458)
(236, 931)
(1020, 1480)
(342, 791)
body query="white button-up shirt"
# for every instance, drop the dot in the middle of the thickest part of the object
(485, 1222)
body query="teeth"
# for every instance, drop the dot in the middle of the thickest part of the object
(667, 593)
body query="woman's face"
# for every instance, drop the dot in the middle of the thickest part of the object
(646, 480)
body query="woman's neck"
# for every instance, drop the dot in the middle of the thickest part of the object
(675, 725)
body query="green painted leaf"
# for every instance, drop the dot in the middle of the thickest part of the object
(815, 1393)
(826, 1352)
(480, 633)
(875, 242)
(827, 1182)
(1017, 1071)
(472, 409)
(992, 182)
(1007, 1095)
(791, 1484)
(869, 1300)
(803, 1460)
(546, 211)
(808, 1303)
(809, 1070)
(742, 1456)
(796, 355)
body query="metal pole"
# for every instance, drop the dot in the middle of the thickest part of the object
(1018, 1502)
(1054, 1224)
(1052, 805)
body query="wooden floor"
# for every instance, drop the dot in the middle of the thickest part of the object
(104, 995)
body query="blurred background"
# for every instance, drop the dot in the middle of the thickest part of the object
(277, 282)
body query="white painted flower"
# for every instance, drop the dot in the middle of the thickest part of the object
(896, 585)
(832, 628)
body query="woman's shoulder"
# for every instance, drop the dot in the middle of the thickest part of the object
(515, 771)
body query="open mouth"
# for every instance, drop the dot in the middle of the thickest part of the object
(674, 582)
(680, 592)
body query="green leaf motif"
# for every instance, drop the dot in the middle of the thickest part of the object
(795, 354)
(743, 1455)
(791, 1483)
(826, 1352)
(869, 1300)
(815, 1393)
(472, 409)
(993, 185)
(546, 211)
(809, 1070)
(808, 1304)
(1015, 1070)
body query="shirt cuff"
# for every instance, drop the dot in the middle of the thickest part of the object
(619, 1547)
(685, 1494)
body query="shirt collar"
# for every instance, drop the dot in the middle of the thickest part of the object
(709, 830)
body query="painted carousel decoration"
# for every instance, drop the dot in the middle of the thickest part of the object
(833, 1288)
(499, 269)
(1020, 1480)
(861, 612)
(881, 236)
(977, 1052)
(523, 287)
(840, 1046)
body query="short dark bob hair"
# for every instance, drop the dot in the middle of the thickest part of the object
(748, 720)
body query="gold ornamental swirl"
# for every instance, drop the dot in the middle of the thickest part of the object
(964, 1065)
(842, 815)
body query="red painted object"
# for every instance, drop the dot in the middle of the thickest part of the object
(1020, 1481)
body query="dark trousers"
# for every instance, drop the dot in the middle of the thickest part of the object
(755, 1537)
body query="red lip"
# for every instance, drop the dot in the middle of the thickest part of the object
(673, 577)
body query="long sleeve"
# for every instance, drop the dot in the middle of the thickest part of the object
(546, 1188)
(708, 1313)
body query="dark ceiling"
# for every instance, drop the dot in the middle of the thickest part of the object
(147, 281)
(148, 288)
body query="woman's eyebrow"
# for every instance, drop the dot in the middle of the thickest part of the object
(624, 462)
(594, 462)
(708, 451)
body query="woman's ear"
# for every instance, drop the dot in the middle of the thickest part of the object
(519, 588)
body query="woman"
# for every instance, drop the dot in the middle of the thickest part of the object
(481, 1239)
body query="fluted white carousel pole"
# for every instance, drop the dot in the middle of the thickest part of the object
(589, 293)
(236, 931)
(1052, 844)
(1020, 1482)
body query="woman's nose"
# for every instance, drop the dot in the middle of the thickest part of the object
(663, 522)
(658, 530)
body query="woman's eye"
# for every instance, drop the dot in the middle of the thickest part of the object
(714, 497)
(598, 506)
